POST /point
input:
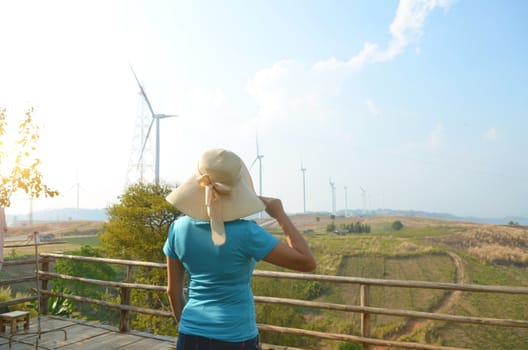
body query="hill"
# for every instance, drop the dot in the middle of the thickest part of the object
(58, 215)
(99, 214)
(426, 249)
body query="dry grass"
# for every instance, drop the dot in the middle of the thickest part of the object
(496, 244)
(55, 227)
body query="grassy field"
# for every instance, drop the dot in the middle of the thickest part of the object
(66, 245)
(424, 250)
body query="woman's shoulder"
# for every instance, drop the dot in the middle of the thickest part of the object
(241, 222)
(186, 220)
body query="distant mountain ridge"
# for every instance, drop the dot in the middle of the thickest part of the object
(67, 214)
(63, 214)
(521, 220)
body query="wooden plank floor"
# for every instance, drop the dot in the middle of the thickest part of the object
(85, 335)
(81, 335)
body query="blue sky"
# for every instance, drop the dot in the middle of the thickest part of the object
(421, 103)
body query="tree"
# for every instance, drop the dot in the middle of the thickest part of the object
(397, 225)
(136, 230)
(137, 226)
(19, 167)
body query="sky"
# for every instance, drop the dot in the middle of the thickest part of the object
(422, 104)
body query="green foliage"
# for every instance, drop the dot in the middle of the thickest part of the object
(137, 226)
(60, 306)
(330, 227)
(350, 346)
(12, 254)
(100, 271)
(356, 227)
(93, 270)
(137, 229)
(6, 294)
(19, 168)
(513, 223)
(397, 225)
(282, 316)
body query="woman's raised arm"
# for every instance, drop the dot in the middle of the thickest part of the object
(296, 255)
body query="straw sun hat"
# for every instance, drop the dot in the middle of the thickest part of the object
(220, 190)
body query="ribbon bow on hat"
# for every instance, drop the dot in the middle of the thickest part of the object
(213, 203)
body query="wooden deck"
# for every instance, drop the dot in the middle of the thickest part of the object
(82, 335)
(86, 335)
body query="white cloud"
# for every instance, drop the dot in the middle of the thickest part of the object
(490, 135)
(406, 27)
(437, 137)
(290, 92)
(290, 87)
(373, 108)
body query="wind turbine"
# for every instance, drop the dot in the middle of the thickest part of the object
(346, 201)
(332, 185)
(155, 118)
(364, 196)
(259, 158)
(303, 169)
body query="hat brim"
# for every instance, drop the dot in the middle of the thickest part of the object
(189, 198)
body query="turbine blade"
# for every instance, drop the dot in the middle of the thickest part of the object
(143, 93)
(163, 116)
(146, 139)
(251, 166)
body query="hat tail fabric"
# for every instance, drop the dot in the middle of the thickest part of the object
(214, 207)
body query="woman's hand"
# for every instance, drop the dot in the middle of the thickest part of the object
(273, 207)
(296, 254)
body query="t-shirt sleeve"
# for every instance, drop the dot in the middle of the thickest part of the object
(261, 242)
(168, 247)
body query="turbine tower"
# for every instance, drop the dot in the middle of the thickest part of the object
(364, 197)
(346, 201)
(141, 171)
(78, 187)
(332, 185)
(303, 169)
(155, 118)
(259, 158)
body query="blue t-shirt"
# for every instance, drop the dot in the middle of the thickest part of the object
(220, 302)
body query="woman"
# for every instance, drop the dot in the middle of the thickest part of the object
(219, 249)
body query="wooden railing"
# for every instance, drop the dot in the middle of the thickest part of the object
(363, 309)
(18, 280)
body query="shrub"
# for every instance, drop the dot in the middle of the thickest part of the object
(397, 225)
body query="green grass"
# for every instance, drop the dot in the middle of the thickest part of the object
(69, 244)
(80, 241)
(490, 305)
(416, 253)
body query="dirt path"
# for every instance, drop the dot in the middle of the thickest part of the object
(449, 299)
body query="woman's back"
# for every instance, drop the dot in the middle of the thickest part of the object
(220, 302)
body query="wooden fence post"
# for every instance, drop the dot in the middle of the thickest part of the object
(44, 286)
(125, 300)
(365, 316)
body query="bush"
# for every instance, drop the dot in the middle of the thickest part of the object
(397, 225)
